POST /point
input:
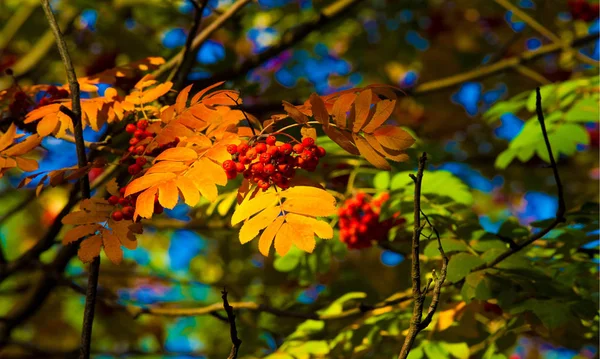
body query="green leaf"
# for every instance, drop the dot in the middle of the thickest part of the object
(439, 183)
(548, 94)
(512, 229)
(449, 245)
(505, 158)
(585, 110)
(457, 350)
(552, 313)
(288, 262)
(461, 264)
(338, 305)
(381, 180)
(480, 283)
(415, 353)
(501, 108)
(434, 350)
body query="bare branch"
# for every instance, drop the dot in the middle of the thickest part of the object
(236, 342)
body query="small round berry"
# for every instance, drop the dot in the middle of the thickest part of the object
(139, 134)
(140, 161)
(244, 160)
(306, 155)
(260, 147)
(271, 140)
(321, 152)
(273, 150)
(308, 141)
(122, 191)
(251, 154)
(130, 128)
(247, 174)
(286, 149)
(242, 148)
(265, 158)
(113, 200)
(134, 169)
(269, 169)
(231, 174)
(142, 124)
(140, 150)
(257, 168)
(128, 212)
(298, 148)
(229, 165)
(232, 149)
(283, 167)
(277, 177)
(133, 141)
(263, 184)
(117, 216)
(239, 167)
(131, 149)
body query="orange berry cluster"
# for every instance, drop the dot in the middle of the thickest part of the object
(139, 132)
(126, 206)
(359, 221)
(265, 163)
(22, 104)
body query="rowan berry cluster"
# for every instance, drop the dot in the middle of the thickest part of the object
(265, 163)
(125, 206)
(139, 132)
(22, 104)
(583, 10)
(359, 221)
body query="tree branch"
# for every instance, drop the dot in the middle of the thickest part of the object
(202, 37)
(189, 54)
(75, 115)
(500, 66)
(236, 342)
(288, 39)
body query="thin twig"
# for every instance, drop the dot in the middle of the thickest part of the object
(189, 53)
(75, 115)
(236, 342)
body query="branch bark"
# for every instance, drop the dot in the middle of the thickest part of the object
(236, 342)
(75, 115)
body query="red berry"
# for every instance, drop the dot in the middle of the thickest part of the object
(308, 141)
(263, 184)
(131, 149)
(140, 150)
(298, 148)
(133, 141)
(251, 154)
(286, 149)
(113, 200)
(130, 128)
(247, 174)
(232, 149)
(128, 212)
(122, 191)
(257, 168)
(229, 165)
(141, 161)
(277, 178)
(244, 160)
(283, 167)
(306, 155)
(265, 158)
(134, 169)
(142, 124)
(117, 216)
(273, 150)
(139, 134)
(271, 140)
(321, 152)
(260, 148)
(269, 169)
(242, 148)
(231, 174)
(239, 167)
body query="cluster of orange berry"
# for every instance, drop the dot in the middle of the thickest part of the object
(359, 221)
(127, 206)
(22, 104)
(265, 163)
(139, 132)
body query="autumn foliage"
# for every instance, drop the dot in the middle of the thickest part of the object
(188, 150)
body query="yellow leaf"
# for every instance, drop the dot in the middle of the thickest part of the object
(266, 239)
(321, 228)
(206, 170)
(309, 132)
(207, 189)
(167, 194)
(90, 248)
(341, 107)
(393, 137)
(112, 247)
(251, 206)
(188, 190)
(201, 93)
(310, 207)
(362, 108)
(284, 238)
(167, 166)
(144, 205)
(252, 226)
(180, 154)
(369, 153)
(306, 192)
(319, 110)
(79, 232)
(383, 110)
(182, 97)
(303, 236)
(141, 183)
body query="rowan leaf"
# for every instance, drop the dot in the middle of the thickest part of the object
(188, 191)
(319, 110)
(343, 138)
(112, 247)
(266, 239)
(180, 154)
(90, 248)
(369, 153)
(144, 205)
(383, 110)
(393, 137)
(8, 137)
(340, 109)
(201, 93)
(310, 206)
(294, 113)
(309, 132)
(167, 194)
(141, 183)
(79, 232)
(182, 97)
(284, 239)
(252, 206)
(362, 108)
(252, 227)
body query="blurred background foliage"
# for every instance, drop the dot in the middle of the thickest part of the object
(488, 180)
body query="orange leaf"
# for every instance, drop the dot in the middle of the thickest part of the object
(144, 205)
(393, 137)
(188, 190)
(251, 206)
(181, 100)
(370, 154)
(309, 132)
(310, 206)
(319, 110)
(141, 183)
(294, 113)
(112, 247)
(180, 154)
(201, 93)
(27, 164)
(8, 137)
(167, 194)
(252, 226)
(383, 110)
(79, 232)
(284, 238)
(90, 248)
(341, 107)
(362, 108)
(342, 138)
